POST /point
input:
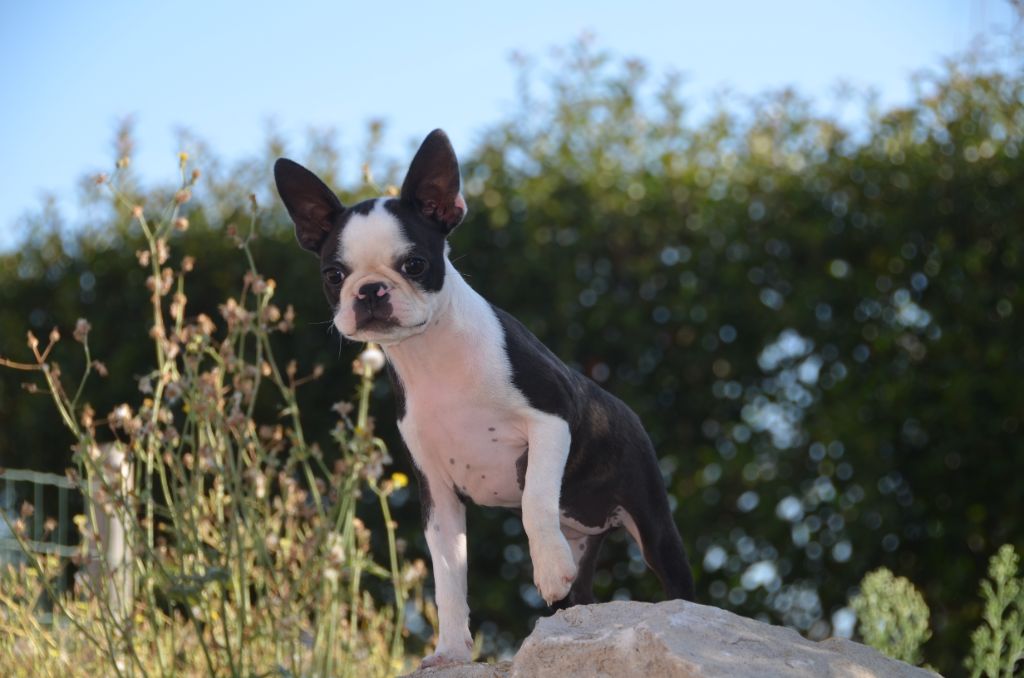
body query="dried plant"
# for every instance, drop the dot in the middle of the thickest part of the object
(242, 551)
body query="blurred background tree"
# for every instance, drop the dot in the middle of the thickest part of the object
(820, 325)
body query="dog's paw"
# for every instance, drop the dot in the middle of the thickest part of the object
(446, 658)
(448, 655)
(553, 569)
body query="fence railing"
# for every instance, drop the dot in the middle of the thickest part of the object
(17, 486)
(108, 557)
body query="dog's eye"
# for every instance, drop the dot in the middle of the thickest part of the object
(333, 276)
(414, 267)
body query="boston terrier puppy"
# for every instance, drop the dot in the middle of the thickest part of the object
(488, 413)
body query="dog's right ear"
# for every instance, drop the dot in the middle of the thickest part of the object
(310, 203)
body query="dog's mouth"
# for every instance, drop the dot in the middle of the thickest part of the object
(375, 316)
(372, 323)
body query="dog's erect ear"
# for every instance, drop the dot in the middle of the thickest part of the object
(311, 204)
(432, 185)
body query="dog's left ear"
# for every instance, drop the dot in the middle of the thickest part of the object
(432, 185)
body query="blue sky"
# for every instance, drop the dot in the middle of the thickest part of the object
(70, 70)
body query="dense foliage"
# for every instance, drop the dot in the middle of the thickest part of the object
(821, 327)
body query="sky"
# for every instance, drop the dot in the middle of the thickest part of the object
(70, 70)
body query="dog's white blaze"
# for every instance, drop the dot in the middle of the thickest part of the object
(372, 240)
(370, 246)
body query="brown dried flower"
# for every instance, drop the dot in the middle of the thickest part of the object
(82, 328)
(162, 251)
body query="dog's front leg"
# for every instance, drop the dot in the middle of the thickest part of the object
(446, 539)
(553, 566)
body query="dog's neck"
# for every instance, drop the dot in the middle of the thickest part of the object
(451, 342)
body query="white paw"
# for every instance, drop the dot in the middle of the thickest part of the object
(445, 656)
(553, 569)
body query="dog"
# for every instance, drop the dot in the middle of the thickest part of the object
(488, 413)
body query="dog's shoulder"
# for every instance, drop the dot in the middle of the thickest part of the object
(547, 383)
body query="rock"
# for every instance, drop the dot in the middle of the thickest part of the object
(473, 670)
(679, 640)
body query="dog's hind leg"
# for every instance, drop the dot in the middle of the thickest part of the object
(648, 520)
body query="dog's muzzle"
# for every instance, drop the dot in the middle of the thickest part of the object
(373, 307)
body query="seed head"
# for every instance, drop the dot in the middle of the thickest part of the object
(162, 253)
(82, 328)
(372, 358)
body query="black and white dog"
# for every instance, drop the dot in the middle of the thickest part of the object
(487, 411)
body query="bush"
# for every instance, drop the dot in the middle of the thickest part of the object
(242, 550)
(893, 618)
(998, 644)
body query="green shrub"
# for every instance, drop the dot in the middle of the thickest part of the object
(245, 552)
(998, 644)
(893, 616)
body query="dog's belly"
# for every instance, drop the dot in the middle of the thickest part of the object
(471, 446)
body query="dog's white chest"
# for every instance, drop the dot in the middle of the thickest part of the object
(469, 444)
(464, 422)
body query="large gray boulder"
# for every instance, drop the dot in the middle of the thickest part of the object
(679, 639)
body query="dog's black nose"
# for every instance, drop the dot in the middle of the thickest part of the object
(373, 291)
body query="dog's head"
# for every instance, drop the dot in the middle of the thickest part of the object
(383, 261)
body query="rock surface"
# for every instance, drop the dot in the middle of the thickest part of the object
(676, 639)
(472, 670)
